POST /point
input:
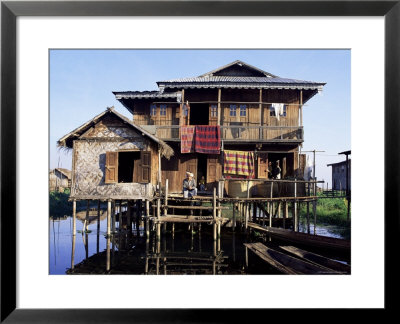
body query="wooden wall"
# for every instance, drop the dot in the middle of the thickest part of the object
(89, 161)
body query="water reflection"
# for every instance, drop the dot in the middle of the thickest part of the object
(181, 250)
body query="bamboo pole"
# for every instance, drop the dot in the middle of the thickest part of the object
(128, 216)
(74, 217)
(147, 219)
(271, 205)
(73, 252)
(87, 216)
(108, 217)
(108, 253)
(219, 106)
(285, 213)
(214, 215)
(120, 215)
(234, 216)
(158, 219)
(113, 216)
(296, 220)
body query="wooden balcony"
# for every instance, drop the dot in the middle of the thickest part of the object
(243, 134)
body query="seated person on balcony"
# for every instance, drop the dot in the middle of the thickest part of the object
(269, 170)
(189, 186)
(276, 172)
(202, 184)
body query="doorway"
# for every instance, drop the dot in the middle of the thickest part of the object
(199, 114)
(201, 168)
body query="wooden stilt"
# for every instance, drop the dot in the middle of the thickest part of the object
(234, 216)
(73, 252)
(214, 215)
(296, 220)
(147, 219)
(108, 217)
(87, 216)
(271, 204)
(108, 253)
(74, 217)
(120, 222)
(285, 213)
(113, 216)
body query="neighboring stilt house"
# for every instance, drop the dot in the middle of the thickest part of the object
(113, 158)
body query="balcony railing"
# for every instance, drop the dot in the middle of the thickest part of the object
(282, 134)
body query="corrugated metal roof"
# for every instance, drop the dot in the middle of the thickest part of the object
(239, 63)
(240, 82)
(239, 79)
(147, 95)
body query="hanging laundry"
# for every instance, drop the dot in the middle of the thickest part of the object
(187, 139)
(239, 163)
(278, 107)
(207, 139)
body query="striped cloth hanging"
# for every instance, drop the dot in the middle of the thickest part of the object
(239, 163)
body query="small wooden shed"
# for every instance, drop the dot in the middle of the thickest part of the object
(114, 158)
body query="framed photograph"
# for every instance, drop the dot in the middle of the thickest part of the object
(173, 137)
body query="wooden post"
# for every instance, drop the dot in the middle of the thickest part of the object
(214, 215)
(261, 115)
(165, 205)
(285, 213)
(73, 252)
(166, 198)
(219, 107)
(233, 217)
(147, 219)
(74, 217)
(108, 262)
(159, 171)
(113, 216)
(120, 215)
(87, 216)
(128, 216)
(315, 206)
(98, 216)
(108, 217)
(271, 204)
(301, 107)
(158, 219)
(296, 220)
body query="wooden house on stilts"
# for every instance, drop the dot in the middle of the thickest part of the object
(258, 117)
(226, 125)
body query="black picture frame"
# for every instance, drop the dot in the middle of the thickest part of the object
(10, 10)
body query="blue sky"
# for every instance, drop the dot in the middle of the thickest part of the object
(82, 81)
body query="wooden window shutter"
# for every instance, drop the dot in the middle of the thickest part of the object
(145, 166)
(111, 167)
(302, 165)
(263, 166)
(283, 168)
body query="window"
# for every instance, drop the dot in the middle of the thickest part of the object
(214, 111)
(163, 110)
(232, 110)
(153, 110)
(128, 167)
(243, 109)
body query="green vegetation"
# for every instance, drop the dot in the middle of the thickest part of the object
(330, 211)
(60, 206)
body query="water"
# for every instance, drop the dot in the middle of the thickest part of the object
(183, 252)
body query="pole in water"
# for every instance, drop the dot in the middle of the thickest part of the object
(74, 217)
(108, 217)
